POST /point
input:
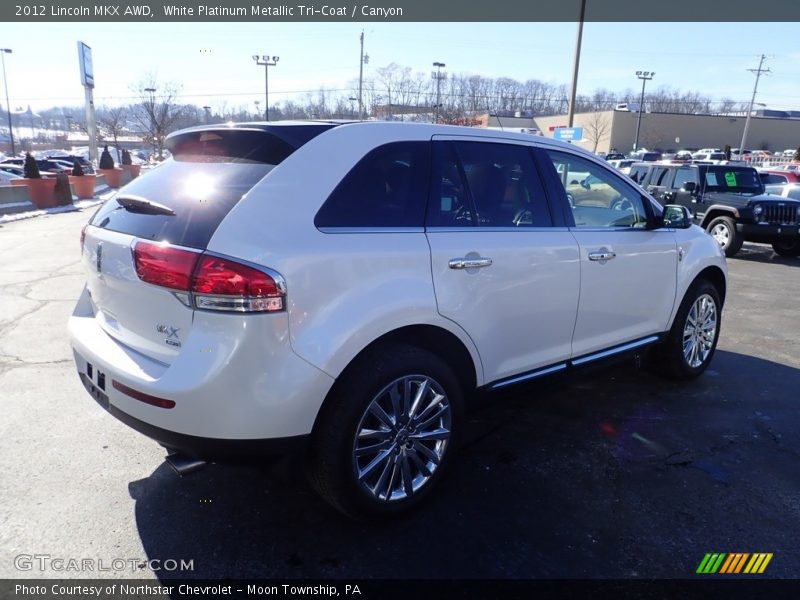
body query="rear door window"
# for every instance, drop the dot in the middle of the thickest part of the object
(387, 188)
(486, 184)
(183, 200)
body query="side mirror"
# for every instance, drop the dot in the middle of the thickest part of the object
(677, 216)
(689, 186)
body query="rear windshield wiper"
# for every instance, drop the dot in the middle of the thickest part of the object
(137, 204)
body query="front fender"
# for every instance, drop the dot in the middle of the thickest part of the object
(700, 252)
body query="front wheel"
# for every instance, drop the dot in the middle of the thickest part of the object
(387, 432)
(787, 249)
(723, 229)
(690, 344)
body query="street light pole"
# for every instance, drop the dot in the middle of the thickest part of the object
(645, 76)
(438, 76)
(208, 114)
(266, 62)
(575, 65)
(3, 52)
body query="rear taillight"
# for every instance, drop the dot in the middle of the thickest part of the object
(164, 265)
(83, 235)
(222, 284)
(215, 283)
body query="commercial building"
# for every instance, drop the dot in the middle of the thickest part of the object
(616, 129)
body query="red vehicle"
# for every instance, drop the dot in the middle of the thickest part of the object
(771, 176)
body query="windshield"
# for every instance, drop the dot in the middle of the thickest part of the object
(741, 180)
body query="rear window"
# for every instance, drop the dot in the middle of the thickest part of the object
(184, 200)
(772, 178)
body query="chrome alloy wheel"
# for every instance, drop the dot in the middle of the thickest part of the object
(402, 437)
(699, 331)
(721, 233)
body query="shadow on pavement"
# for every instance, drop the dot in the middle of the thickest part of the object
(762, 253)
(617, 474)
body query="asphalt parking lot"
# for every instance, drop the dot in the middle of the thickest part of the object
(616, 474)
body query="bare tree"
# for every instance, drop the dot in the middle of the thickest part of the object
(597, 129)
(157, 111)
(113, 125)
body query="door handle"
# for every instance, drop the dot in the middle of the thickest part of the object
(602, 255)
(469, 263)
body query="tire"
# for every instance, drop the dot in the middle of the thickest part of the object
(396, 462)
(787, 249)
(723, 229)
(674, 356)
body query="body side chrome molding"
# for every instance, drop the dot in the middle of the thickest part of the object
(615, 350)
(577, 362)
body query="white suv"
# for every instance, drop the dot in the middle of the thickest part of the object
(347, 286)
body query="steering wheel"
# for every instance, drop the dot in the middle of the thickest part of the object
(463, 214)
(523, 217)
(571, 200)
(622, 204)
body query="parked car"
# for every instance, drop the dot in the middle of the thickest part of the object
(12, 168)
(615, 156)
(68, 160)
(709, 156)
(45, 165)
(788, 190)
(646, 156)
(779, 176)
(6, 177)
(234, 304)
(728, 201)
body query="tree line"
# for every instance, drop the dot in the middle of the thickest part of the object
(392, 92)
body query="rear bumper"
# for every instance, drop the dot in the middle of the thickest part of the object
(236, 379)
(767, 234)
(210, 449)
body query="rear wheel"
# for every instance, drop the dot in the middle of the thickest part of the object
(692, 341)
(387, 433)
(723, 229)
(788, 249)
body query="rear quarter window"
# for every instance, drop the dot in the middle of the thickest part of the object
(387, 188)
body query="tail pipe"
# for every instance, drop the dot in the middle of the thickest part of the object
(184, 465)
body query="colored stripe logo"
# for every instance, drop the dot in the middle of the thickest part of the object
(734, 563)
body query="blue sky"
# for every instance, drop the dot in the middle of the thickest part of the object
(213, 62)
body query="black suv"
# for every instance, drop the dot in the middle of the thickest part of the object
(728, 201)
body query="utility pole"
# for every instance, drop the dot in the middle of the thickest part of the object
(758, 72)
(575, 65)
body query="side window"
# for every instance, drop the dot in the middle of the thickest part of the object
(658, 176)
(488, 185)
(387, 188)
(638, 173)
(683, 176)
(597, 196)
